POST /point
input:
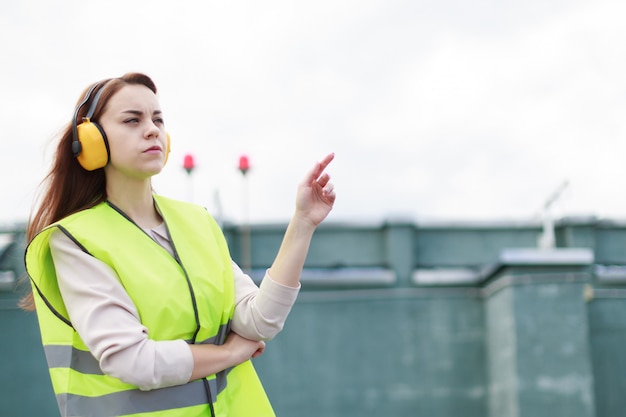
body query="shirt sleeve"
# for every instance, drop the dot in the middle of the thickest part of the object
(108, 322)
(260, 312)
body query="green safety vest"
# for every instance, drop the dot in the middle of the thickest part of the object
(189, 296)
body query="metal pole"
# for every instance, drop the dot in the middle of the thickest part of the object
(246, 250)
(244, 167)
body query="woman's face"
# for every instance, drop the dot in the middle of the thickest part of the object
(133, 123)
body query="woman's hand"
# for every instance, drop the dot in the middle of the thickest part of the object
(210, 359)
(315, 196)
(242, 349)
(314, 200)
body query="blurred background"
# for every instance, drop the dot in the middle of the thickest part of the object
(474, 263)
(435, 109)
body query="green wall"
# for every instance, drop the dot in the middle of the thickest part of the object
(607, 313)
(404, 319)
(24, 383)
(373, 353)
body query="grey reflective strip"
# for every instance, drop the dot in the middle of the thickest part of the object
(134, 401)
(219, 383)
(220, 337)
(63, 356)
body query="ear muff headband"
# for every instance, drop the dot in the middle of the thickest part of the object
(75, 142)
(90, 145)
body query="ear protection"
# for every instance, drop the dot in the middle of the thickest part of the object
(90, 145)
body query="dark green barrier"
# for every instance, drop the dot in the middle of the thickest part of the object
(405, 320)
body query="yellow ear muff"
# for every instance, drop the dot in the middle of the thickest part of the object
(167, 149)
(94, 152)
(90, 145)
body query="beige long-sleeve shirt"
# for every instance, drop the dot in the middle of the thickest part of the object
(108, 322)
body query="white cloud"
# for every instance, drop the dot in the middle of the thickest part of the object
(441, 110)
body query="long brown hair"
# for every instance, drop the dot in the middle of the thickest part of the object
(68, 187)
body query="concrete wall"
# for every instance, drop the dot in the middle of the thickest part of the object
(373, 353)
(404, 319)
(25, 388)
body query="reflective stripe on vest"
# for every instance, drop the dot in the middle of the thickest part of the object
(82, 361)
(188, 400)
(196, 289)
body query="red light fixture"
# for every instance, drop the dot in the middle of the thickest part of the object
(244, 164)
(189, 163)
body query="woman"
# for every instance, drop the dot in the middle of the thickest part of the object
(141, 309)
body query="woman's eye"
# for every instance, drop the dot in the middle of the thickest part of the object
(132, 120)
(159, 121)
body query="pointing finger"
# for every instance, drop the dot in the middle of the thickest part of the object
(320, 167)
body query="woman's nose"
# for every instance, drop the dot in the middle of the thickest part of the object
(152, 130)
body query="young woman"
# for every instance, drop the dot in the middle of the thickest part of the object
(142, 311)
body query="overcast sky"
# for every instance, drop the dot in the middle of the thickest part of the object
(446, 110)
